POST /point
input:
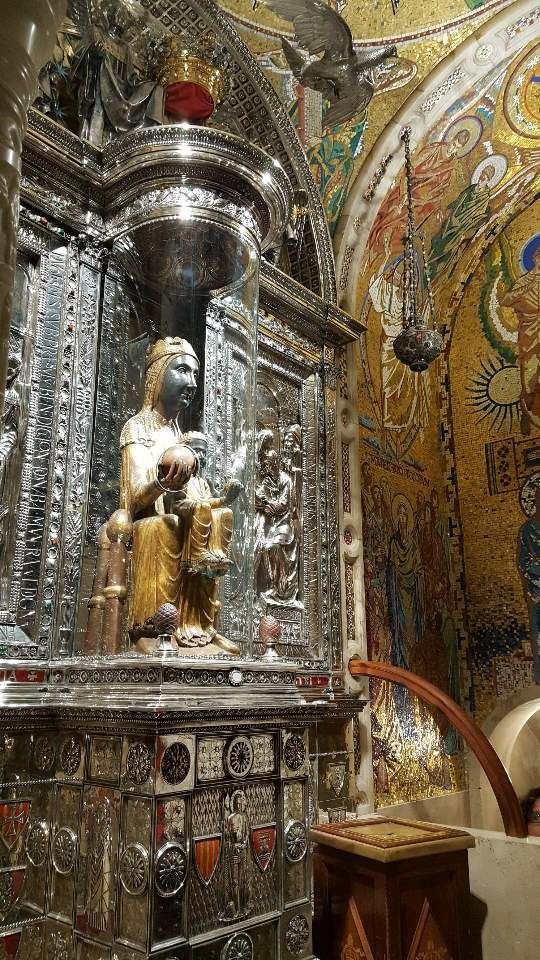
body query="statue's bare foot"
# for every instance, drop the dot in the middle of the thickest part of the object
(227, 645)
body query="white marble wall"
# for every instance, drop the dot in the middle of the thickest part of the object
(505, 878)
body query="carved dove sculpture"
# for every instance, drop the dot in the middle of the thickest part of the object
(344, 76)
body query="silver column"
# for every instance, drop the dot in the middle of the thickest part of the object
(27, 34)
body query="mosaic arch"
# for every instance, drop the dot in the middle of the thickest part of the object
(472, 157)
(423, 33)
(476, 174)
(373, 22)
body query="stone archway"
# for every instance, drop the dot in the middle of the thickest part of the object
(513, 729)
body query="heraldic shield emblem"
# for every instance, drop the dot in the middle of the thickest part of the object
(207, 851)
(14, 816)
(263, 844)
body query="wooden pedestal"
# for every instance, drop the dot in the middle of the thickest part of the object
(388, 889)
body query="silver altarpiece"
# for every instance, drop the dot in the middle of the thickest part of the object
(157, 803)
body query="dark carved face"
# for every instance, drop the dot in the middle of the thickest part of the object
(199, 446)
(179, 385)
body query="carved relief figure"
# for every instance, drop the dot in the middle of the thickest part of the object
(99, 878)
(237, 854)
(12, 428)
(179, 545)
(97, 82)
(109, 89)
(276, 541)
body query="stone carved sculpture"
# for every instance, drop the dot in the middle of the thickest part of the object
(236, 831)
(180, 531)
(277, 528)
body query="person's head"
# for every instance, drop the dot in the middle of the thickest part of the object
(377, 497)
(367, 474)
(271, 464)
(403, 520)
(172, 369)
(239, 801)
(13, 367)
(536, 258)
(531, 811)
(402, 514)
(486, 176)
(292, 439)
(199, 444)
(265, 442)
(458, 142)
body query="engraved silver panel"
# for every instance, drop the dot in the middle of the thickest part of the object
(133, 869)
(170, 869)
(37, 842)
(178, 755)
(64, 850)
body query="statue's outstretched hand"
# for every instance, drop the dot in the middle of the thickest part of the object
(176, 466)
(232, 490)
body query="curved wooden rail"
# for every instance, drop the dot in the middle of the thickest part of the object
(511, 813)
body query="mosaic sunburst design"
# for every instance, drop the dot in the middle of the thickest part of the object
(494, 391)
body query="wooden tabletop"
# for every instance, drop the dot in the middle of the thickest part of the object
(389, 839)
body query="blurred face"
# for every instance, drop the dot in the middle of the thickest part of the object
(179, 385)
(201, 449)
(533, 826)
(272, 465)
(485, 178)
(403, 520)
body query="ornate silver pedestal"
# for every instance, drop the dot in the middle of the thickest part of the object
(158, 808)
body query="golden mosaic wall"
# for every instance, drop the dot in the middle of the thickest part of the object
(495, 391)
(411, 619)
(460, 442)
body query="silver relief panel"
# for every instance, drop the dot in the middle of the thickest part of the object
(226, 882)
(116, 401)
(290, 538)
(33, 503)
(48, 415)
(229, 424)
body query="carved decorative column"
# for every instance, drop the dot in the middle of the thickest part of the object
(27, 34)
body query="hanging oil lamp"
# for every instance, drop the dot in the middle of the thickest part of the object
(419, 342)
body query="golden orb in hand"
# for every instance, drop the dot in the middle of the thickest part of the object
(177, 464)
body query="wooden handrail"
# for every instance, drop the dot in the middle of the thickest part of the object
(509, 806)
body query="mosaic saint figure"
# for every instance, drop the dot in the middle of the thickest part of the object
(405, 586)
(524, 298)
(528, 561)
(405, 397)
(181, 533)
(465, 215)
(432, 174)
